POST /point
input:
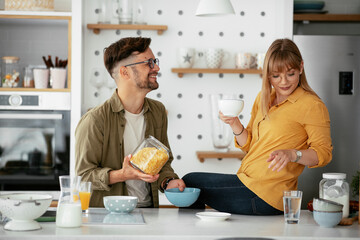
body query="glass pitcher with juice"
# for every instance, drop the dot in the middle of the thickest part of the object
(68, 213)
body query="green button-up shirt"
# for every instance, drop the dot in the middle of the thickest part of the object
(99, 146)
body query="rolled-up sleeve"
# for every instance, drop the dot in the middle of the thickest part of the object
(317, 126)
(89, 139)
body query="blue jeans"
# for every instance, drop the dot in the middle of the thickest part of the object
(226, 193)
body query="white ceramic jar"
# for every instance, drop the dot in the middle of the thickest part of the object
(334, 187)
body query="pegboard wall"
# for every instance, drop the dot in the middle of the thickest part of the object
(252, 29)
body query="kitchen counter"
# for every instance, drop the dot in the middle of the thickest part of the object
(173, 223)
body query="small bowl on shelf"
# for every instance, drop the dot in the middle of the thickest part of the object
(327, 219)
(120, 204)
(184, 198)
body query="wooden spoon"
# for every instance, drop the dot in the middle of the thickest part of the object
(348, 221)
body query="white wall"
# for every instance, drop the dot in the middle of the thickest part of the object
(260, 22)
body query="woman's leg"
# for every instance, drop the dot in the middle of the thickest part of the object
(226, 193)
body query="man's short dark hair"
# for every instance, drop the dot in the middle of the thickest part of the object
(122, 49)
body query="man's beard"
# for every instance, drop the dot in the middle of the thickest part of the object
(145, 84)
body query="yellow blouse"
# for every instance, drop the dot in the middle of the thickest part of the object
(300, 122)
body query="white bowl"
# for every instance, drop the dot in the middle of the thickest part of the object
(327, 219)
(120, 204)
(231, 107)
(320, 204)
(22, 209)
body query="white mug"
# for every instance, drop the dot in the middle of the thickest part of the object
(214, 57)
(245, 60)
(186, 57)
(58, 77)
(260, 57)
(41, 77)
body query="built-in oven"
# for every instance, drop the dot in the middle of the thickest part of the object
(34, 140)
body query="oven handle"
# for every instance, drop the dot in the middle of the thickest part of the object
(30, 116)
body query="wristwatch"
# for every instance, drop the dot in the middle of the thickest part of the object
(298, 156)
(167, 183)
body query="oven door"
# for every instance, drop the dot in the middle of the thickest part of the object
(34, 149)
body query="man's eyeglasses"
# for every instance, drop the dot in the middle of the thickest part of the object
(151, 62)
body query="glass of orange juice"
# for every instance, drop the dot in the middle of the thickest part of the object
(84, 194)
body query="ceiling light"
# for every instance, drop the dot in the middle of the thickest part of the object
(208, 8)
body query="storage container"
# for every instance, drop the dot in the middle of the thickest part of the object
(334, 187)
(150, 156)
(10, 74)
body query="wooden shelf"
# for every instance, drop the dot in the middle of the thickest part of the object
(201, 155)
(42, 15)
(182, 71)
(327, 17)
(97, 27)
(33, 90)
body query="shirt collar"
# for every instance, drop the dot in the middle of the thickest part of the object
(299, 91)
(117, 106)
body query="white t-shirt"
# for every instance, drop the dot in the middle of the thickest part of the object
(134, 134)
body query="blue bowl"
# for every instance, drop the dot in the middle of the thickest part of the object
(120, 204)
(327, 219)
(182, 199)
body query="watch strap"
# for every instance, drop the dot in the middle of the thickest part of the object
(298, 156)
(167, 183)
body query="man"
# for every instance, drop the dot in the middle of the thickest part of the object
(108, 134)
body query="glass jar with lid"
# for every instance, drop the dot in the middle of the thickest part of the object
(10, 72)
(334, 187)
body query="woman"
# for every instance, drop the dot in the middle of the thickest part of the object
(288, 130)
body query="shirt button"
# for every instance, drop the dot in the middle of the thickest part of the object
(122, 125)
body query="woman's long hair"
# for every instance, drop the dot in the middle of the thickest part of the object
(283, 54)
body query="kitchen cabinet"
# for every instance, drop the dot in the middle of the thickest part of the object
(202, 155)
(17, 18)
(182, 71)
(97, 27)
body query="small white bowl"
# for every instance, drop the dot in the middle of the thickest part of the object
(320, 204)
(120, 204)
(231, 107)
(327, 219)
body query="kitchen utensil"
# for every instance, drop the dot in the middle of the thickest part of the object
(58, 77)
(186, 57)
(221, 132)
(84, 194)
(68, 212)
(348, 221)
(150, 156)
(120, 204)
(320, 204)
(215, 57)
(213, 216)
(22, 209)
(327, 219)
(292, 206)
(245, 60)
(231, 107)
(41, 77)
(182, 198)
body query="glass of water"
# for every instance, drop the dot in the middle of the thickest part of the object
(292, 206)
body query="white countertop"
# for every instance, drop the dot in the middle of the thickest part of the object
(173, 223)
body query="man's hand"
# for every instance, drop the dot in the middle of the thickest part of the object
(128, 172)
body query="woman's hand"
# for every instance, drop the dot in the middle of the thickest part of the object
(228, 120)
(280, 158)
(176, 183)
